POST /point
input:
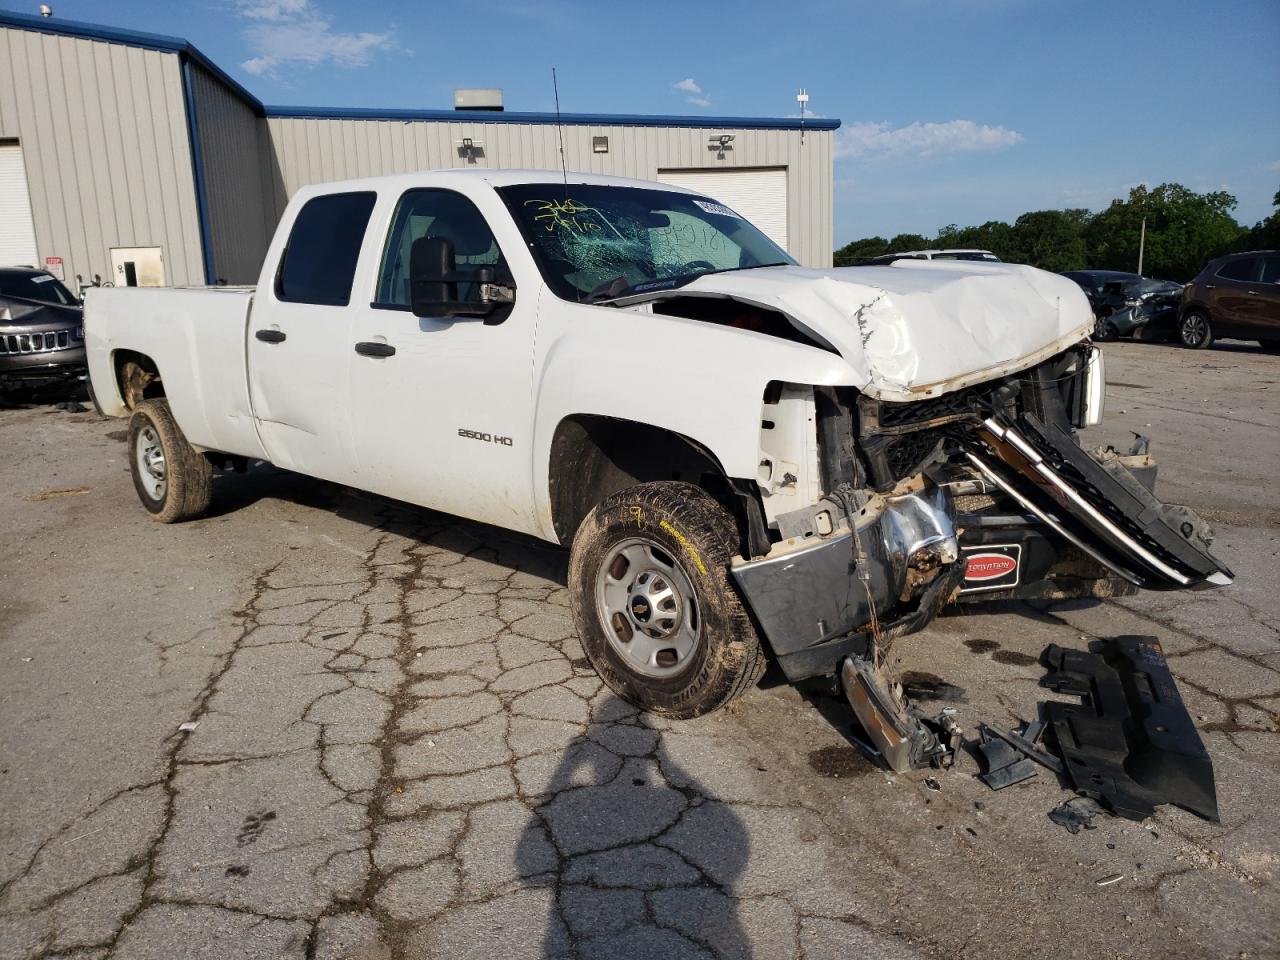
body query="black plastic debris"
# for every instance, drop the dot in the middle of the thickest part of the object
(1076, 814)
(70, 406)
(1026, 745)
(1005, 766)
(1130, 743)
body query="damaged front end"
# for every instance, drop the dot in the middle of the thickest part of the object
(983, 493)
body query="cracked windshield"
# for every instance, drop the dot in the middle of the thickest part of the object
(596, 242)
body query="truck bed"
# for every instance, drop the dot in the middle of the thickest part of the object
(197, 337)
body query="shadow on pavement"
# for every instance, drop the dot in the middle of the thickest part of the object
(642, 858)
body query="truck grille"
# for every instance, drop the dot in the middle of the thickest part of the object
(11, 343)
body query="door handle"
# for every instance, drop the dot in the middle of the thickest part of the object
(270, 336)
(371, 348)
(1253, 293)
(1211, 286)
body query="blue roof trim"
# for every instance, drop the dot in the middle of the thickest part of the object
(156, 41)
(575, 119)
(132, 38)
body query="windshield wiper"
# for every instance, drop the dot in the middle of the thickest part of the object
(619, 289)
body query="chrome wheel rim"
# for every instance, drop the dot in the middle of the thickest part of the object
(648, 608)
(1194, 330)
(149, 454)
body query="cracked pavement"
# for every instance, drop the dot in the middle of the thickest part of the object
(318, 724)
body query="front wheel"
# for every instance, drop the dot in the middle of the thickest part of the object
(172, 478)
(1105, 330)
(1194, 330)
(655, 609)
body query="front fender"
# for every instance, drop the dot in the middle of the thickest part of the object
(702, 381)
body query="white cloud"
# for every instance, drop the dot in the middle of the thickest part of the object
(293, 32)
(271, 9)
(694, 92)
(868, 140)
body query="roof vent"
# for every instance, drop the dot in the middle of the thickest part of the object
(488, 98)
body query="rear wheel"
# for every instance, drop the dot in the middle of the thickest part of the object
(1270, 346)
(172, 478)
(655, 609)
(1194, 330)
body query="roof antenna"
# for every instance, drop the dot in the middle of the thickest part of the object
(560, 133)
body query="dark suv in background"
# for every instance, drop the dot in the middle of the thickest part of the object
(1234, 296)
(41, 329)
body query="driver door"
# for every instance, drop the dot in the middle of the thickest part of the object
(442, 408)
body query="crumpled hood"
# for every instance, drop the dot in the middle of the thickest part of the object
(914, 328)
(19, 313)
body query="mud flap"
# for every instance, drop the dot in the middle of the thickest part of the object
(1131, 743)
(1098, 507)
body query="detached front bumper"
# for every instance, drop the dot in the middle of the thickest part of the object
(1076, 526)
(815, 599)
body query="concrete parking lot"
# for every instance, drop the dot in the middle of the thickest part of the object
(319, 724)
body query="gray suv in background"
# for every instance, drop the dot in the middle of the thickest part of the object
(1235, 296)
(41, 329)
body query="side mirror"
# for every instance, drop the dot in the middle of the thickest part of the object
(434, 282)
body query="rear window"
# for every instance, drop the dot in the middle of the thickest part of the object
(1271, 270)
(1246, 268)
(319, 263)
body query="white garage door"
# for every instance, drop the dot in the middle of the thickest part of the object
(759, 195)
(17, 236)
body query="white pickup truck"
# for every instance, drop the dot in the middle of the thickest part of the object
(746, 457)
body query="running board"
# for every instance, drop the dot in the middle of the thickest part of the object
(1099, 508)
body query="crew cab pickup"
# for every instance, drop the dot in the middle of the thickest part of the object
(747, 458)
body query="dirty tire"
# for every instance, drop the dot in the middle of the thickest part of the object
(187, 474)
(688, 525)
(1195, 330)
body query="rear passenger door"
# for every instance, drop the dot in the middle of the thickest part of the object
(1268, 300)
(1230, 293)
(299, 339)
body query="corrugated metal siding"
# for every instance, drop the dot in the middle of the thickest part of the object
(103, 131)
(241, 221)
(306, 151)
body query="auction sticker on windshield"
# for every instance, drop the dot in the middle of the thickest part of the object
(717, 208)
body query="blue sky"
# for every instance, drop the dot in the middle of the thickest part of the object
(954, 111)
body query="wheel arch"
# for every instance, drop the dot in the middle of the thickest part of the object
(593, 456)
(136, 377)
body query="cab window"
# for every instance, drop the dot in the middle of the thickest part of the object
(435, 213)
(319, 262)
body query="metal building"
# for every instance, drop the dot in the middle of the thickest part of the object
(133, 157)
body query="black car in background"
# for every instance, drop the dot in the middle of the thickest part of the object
(41, 329)
(1126, 303)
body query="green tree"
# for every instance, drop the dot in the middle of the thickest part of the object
(1049, 239)
(1185, 229)
(992, 235)
(1265, 234)
(907, 241)
(851, 253)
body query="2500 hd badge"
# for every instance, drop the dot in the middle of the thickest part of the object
(485, 437)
